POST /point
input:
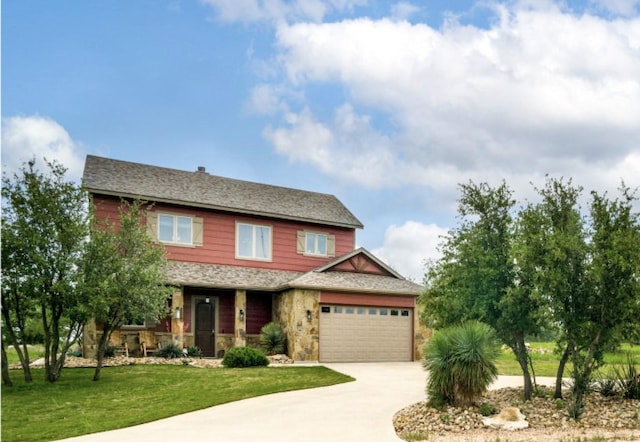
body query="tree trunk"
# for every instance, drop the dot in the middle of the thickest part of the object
(520, 351)
(560, 373)
(6, 380)
(23, 356)
(102, 346)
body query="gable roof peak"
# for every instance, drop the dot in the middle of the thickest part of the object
(364, 253)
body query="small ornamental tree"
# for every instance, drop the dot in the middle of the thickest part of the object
(123, 275)
(477, 279)
(44, 228)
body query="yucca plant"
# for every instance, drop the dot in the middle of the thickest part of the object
(628, 378)
(272, 338)
(461, 363)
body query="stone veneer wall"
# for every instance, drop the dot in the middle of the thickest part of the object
(421, 333)
(223, 343)
(290, 311)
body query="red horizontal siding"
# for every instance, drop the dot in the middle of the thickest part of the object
(219, 230)
(367, 299)
(258, 311)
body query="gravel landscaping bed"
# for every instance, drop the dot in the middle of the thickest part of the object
(76, 362)
(605, 418)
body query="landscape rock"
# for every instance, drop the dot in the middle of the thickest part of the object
(509, 418)
(548, 419)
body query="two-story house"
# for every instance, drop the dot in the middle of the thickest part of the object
(243, 254)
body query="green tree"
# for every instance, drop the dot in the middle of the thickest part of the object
(123, 273)
(476, 277)
(44, 227)
(561, 264)
(612, 301)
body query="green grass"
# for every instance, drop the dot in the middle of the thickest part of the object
(546, 364)
(35, 352)
(135, 394)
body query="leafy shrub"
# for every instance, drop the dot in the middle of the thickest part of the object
(109, 351)
(194, 352)
(76, 353)
(487, 409)
(461, 363)
(170, 351)
(273, 339)
(240, 357)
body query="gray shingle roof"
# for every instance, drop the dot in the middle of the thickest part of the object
(199, 189)
(233, 277)
(357, 282)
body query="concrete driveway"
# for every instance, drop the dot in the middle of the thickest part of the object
(356, 411)
(352, 412)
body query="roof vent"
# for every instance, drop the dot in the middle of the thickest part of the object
(202, 169)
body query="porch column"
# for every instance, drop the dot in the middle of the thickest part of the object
(177, 317)
(241, 319)
(89, 339)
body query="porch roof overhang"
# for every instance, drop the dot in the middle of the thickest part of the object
(247, 278)
(231, 277)
(356, 282)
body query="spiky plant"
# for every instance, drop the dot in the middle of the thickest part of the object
(461, 363)
(272, 338)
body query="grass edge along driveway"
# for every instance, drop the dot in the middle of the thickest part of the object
(135, 394)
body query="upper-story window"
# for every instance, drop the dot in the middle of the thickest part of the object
(175, 229)
(253, 241)
(316, 244)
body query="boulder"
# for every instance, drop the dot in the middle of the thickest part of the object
(510, 418)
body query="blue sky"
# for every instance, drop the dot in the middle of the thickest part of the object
(387, 105)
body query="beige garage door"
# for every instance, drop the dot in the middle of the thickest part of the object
(365, 334)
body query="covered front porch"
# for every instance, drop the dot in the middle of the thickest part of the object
(215, 320)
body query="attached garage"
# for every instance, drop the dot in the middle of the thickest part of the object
(361, 333)
(365, 327)
(353, 309)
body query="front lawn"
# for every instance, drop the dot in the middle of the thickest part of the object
(136, 394)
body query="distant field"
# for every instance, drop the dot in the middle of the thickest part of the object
(545, 360)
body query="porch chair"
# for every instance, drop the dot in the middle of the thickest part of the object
(148, 351)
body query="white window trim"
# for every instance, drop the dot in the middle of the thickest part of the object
(314, 253)
(175, 229)
(253, 242)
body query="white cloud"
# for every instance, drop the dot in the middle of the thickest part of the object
(265, 100)
(618, 7)
(540, 91)
(347, 148)
(26, 138)
(248, 11)
(406, 248)
(403, 10)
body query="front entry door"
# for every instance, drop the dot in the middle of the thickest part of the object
(205, 327)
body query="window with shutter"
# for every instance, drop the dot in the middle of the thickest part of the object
(316, 244)
(174, 229)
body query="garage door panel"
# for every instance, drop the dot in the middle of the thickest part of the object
(354, 334)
